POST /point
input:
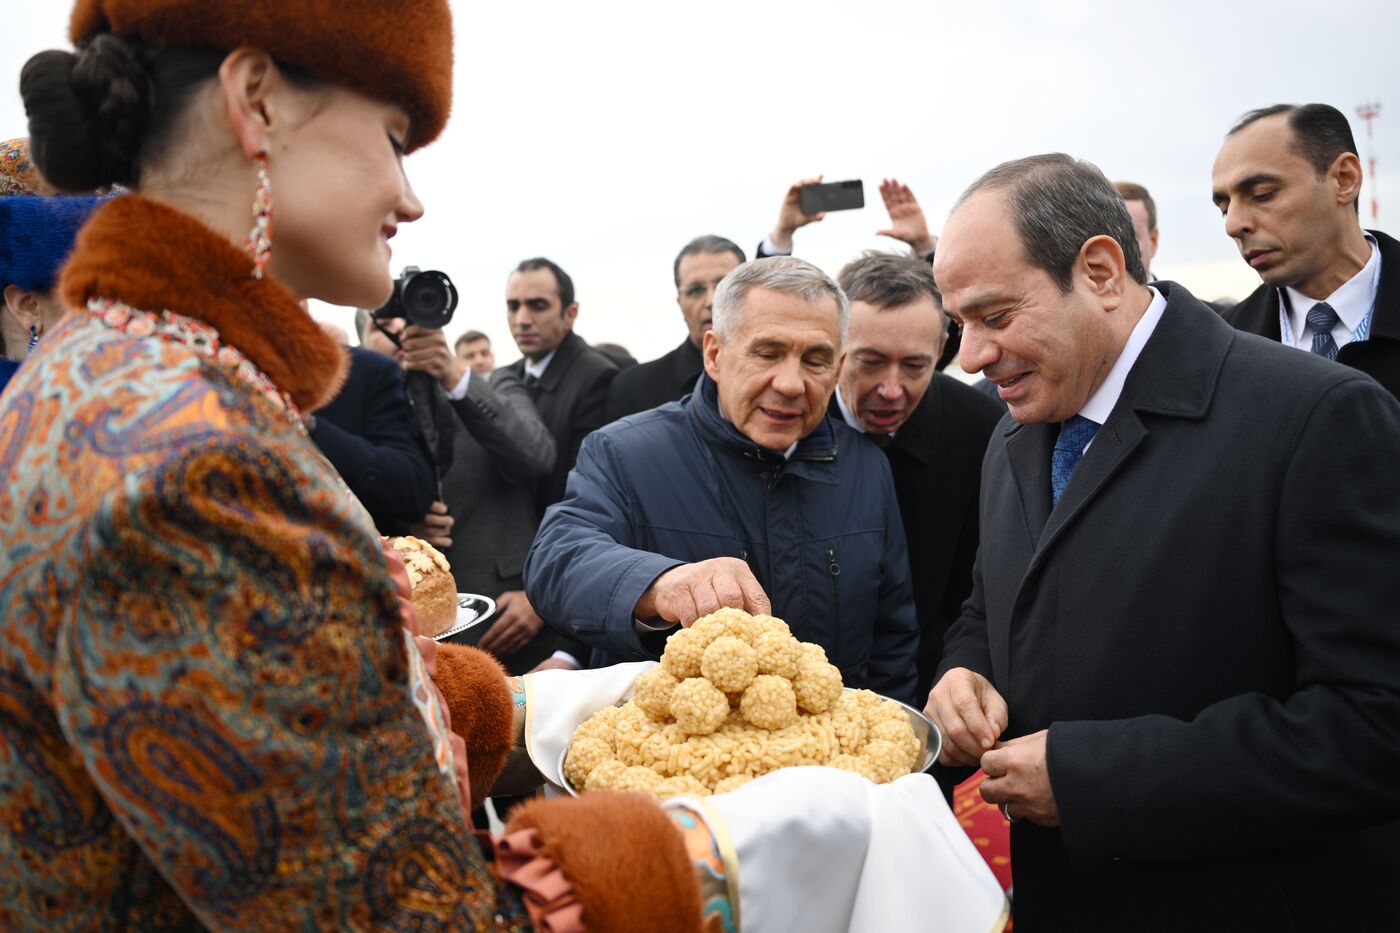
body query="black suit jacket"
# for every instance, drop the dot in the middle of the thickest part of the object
(936, 460)
(1206, 624)
(665, 379)
(570, 398)
(369, 435)
(1378, 355)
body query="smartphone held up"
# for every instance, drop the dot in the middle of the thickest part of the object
(831, 196)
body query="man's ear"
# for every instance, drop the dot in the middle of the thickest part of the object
(24, 305)
(709, 349)
(1345, 173)
(1102, 264)
(571, 315)
(252, 86)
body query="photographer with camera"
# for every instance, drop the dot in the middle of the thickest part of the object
(488, 443)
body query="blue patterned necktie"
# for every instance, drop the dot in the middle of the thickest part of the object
(1075, 435)
(1322, 319)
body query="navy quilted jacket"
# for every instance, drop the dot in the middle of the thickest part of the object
(680, 484)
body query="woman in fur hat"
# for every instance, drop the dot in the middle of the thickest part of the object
(209, 711)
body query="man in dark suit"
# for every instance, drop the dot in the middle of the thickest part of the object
(369, 435)
(1179, 666)
(933, 429)
(698, 270)
(567, 379)
(1288, 181)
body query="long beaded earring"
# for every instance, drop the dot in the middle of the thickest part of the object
(259, 245)
(33, 337)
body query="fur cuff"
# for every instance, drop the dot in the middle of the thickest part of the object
(474, 686)
(626, 860)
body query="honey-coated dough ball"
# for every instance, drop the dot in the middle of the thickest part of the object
(698, 706)
(736, 622)
(638, 779)
(885, 759)
(729, 663)
(899, 733)
(601, 725)
(818, 685)
(812, 652)
(684, 649)
(769, 703)
(584, 755)
(605, 775)
(772, 624)
(777, 654)
(709, 628)
(652, 693)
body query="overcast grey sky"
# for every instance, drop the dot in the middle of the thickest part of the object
(606, 135)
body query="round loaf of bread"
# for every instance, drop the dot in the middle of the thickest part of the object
(434, 589)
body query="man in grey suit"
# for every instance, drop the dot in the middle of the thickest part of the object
(1179, 665)
(486, 516)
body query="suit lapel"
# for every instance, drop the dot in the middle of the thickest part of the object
(1175, 376)
(1028, 448)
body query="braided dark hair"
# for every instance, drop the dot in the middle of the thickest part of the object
(95, 115)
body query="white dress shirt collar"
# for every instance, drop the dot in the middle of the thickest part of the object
(537, 368)
(1102, 402)
(1352, 301)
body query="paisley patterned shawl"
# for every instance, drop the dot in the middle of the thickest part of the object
(204, 695)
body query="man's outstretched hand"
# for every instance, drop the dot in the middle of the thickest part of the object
(692, 591)
(907, 220)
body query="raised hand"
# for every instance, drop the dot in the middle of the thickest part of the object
(907, 221)
(790, 215)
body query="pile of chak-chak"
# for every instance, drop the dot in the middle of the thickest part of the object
(737, 696)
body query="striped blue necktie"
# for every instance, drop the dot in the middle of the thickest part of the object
(1075, 435)
(1321, 318)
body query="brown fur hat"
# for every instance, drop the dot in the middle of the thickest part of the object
(398, 51)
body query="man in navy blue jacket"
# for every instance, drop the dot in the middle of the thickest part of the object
(743, 494)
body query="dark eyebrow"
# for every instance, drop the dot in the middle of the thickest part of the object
(981, 303)
(1247, 184)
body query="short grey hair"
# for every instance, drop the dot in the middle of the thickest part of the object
(786, 274)
(1059, 203)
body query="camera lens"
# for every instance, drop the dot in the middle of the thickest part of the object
(429, 298)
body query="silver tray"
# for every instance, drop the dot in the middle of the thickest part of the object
(472, 610)
(930, 740)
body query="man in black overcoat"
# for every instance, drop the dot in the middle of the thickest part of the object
(1180, 663)
(1288, 184)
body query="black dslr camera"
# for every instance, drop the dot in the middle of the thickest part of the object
(423, 298)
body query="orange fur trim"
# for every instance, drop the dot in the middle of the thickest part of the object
(626, 860)
(155, 258)
(474, 685)
(399, 51)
